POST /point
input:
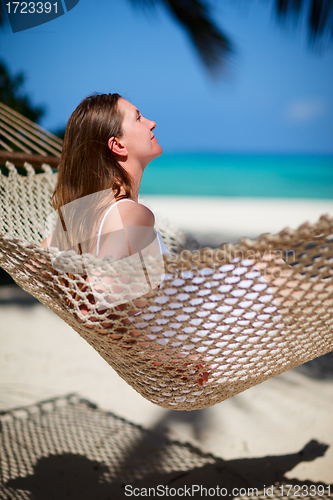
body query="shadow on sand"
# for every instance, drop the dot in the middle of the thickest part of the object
(75, 477)
(58, 450)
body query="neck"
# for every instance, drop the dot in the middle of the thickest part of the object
(135, 170)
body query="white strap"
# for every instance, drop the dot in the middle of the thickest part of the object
(103, 220)
(163, 248)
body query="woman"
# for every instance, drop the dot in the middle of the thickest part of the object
(107, 146)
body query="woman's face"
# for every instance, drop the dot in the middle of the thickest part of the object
(138, 137)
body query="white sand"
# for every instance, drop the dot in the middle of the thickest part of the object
(227, 219)
(41, 357)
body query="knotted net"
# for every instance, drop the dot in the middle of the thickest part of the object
(221, 320)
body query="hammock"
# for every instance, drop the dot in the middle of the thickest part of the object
(213, 328)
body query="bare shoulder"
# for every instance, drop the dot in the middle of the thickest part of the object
(129, 213)
(136, 214)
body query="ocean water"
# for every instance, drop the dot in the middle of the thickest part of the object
(277, 176)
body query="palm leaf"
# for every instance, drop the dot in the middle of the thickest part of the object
(212, 44)
(319, 15)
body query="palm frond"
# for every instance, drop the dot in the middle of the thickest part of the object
(319, 15)
(212, 44)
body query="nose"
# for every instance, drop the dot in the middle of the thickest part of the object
(150, 123)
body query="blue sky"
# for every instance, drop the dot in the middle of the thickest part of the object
(276, 97)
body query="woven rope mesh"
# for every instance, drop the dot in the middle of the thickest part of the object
(221, 321)
(68, 448)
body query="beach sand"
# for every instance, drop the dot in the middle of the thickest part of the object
(213, 221)
(42, 357)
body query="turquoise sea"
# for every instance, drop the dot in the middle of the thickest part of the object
(277, 176)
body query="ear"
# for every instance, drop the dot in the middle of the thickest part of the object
(116, 146)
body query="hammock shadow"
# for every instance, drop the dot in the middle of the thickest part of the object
(5, 278)
(255, 473)
(12, 294)
(198, 421)
(70, 449)
(320, 368)
(65, 476)
(239, 473)
(79, 478)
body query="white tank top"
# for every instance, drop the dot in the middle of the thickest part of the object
(162, 245)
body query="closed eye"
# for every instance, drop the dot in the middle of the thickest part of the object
(138, 115)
